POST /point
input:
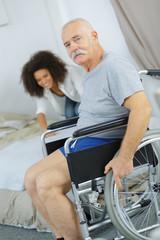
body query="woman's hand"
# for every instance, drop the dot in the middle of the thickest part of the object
(51, 134)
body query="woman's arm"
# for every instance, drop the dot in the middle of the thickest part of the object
(42, 121)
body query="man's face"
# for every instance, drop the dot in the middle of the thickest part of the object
(78, 43)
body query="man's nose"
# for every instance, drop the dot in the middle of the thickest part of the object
(73, 47)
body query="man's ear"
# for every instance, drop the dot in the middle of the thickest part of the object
(94, 35)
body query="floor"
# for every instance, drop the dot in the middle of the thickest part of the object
(17, 233)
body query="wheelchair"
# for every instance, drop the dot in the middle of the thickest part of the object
(135, 209)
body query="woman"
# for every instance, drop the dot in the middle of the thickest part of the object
(46, 76)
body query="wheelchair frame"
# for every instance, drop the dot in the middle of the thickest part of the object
(85, 185)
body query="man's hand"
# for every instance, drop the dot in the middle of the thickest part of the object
(139, 116)
(121, 167)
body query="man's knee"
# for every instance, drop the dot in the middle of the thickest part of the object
(50, 186)
(30, 181)
(45, 187)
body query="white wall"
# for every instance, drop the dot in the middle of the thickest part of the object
(36, 25)
(99, 13)
(29, 30)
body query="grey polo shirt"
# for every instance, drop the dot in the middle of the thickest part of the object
(105, 89)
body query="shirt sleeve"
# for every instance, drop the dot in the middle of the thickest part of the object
(41, 105)
(124, 80)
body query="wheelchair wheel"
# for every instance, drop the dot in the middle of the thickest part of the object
(135, 210)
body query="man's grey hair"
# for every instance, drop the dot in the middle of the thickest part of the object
(83, 22)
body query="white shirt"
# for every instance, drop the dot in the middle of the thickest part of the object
(71, 87)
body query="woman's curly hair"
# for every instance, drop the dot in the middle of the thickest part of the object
(42, 60)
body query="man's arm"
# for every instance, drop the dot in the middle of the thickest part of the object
(139, 117)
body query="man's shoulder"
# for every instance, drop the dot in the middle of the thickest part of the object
(115, 61)
(111, 57)
(109, 61)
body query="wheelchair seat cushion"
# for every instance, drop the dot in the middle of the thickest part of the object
(86, 142)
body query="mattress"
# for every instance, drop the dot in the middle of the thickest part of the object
(20, 147)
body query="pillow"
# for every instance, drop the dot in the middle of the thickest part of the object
(10, 122)
(5, 116)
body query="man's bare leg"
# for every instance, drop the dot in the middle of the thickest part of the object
(30, 184)
(47, 182)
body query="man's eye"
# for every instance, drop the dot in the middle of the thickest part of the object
(67, 45)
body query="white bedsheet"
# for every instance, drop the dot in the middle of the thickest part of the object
(16, 159)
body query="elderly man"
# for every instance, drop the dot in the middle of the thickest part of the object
(112, 88)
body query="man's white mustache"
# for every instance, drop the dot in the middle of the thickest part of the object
(74, 54)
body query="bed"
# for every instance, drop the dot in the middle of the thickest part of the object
(20, 147)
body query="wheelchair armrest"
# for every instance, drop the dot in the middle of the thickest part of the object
(100, 127)
(150, 72)
(153, 72)
(63, 123)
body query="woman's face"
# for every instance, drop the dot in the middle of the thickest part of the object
(44, 78)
